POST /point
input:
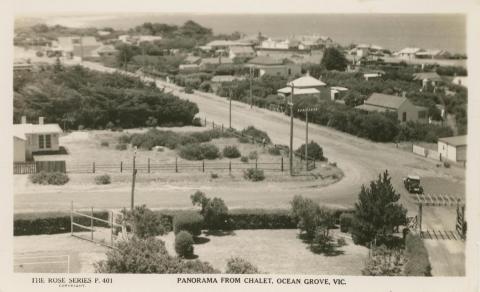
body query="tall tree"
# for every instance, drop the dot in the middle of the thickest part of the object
(377, 212)
(333, 59)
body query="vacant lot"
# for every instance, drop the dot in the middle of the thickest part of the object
(276, 252)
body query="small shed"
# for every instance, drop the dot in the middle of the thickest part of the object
(453, 148)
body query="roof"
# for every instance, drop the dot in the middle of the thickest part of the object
(226, 78)
(191, 59)
(298, 91)
(21, 130)
(409, 51)
(339, 88)
(265, 60)
(455, 140)
(106, 49)
(242, 50)
(216, 61)
(371, 108)
(385, 100)
(188, 66)
(433, 76)
(306, 81)
(415, 177)
(224, 43)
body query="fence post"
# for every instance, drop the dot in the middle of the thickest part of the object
(222, 128)
(281, 164)
(203, 165)
(71, 218)
(93, 167)
(148, 165)
(91, 223)
(205, 121)
(314, 163)
(111, 228)
(256, 163)
(230, 166)
(121, 166)
(176, 164)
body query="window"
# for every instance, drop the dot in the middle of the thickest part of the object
(404, 117)
(41, 142)
(48, 141)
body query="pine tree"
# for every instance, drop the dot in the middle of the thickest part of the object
(377, 212)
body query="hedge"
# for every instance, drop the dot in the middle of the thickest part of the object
(59, 222)
(190, 221)
(416, 255)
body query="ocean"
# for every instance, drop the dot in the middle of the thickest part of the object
(392, 31)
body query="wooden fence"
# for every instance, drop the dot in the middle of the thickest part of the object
(38, 166)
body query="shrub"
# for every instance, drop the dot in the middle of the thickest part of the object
(144, 222)
(213, 210)
(274, 151)
(243, 139)
(121, 147)
(341, 242)
(446, 164)
(81, 127)
(257, 134)
(49, 178)
(310, 216)
(109, 126)
(184, 244)
(244, 159)
(253, 174)
(102, 179)
(197, 122)
(322, 242)
(253, 155)
(416, 254)
(104, 144)
(384, 262)
(199, 151)
(124, 139)
(240, 266)
(188, 221)
(345, 222)
(261, 219)
(314, 151)
(188, 89)
(214, 175)
(231, 152)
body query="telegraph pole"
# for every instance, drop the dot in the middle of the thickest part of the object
(291, 131)
(230, 109)
(251, 96)
(134, 174)
(306, 141)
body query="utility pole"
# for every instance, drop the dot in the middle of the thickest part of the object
(306, 111)
(134, 174)
(291, 130)
(251, 96)
(230, 109)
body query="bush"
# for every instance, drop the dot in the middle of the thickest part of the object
(104, 144)
(257, 134)
(197, 122)
(384, 262)
(49, 178)
(199, 151)
(213, 210)
(102, 179)
(314, 151)
(261, 219)
(124, 139)
(214, 175)
(345, 222)
(322, 242)
(274, 151)
(231, 152)
(145, 223)
(254, 174)
(341, 242)
(446, 164)
(253, 155)
(244, 159)
(416, 254)
(184, 244)
(121, 147)
(188, 221)
(240, 266)
(243, 139)
(110, 126)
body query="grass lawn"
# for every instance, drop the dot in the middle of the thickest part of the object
(276, 252)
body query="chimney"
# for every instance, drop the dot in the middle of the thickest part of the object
(40, 120)
(24, 119)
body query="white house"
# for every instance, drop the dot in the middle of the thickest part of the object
(31, 138)
(453, 148)
(408, 53)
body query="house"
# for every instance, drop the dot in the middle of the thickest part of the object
(188, 67)
(31, 138)
(105, 51)
(314, 42)
(337, 92)
(453, 148)
(408, 53)
(432, 54)
(137, 39)
(460, 80)
(217, 80)
(242, 52)
(190, 59)
(306, 85)
(426, 78)
(78, 46)
(264, 65)
(223, 45)
(406, 111)
(212, 63)
(373, 74)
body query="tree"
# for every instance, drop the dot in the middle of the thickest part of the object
(377, 212)
(213, 210)
(238, 265)
(144, 222)
(125, 54)
(333, 59)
